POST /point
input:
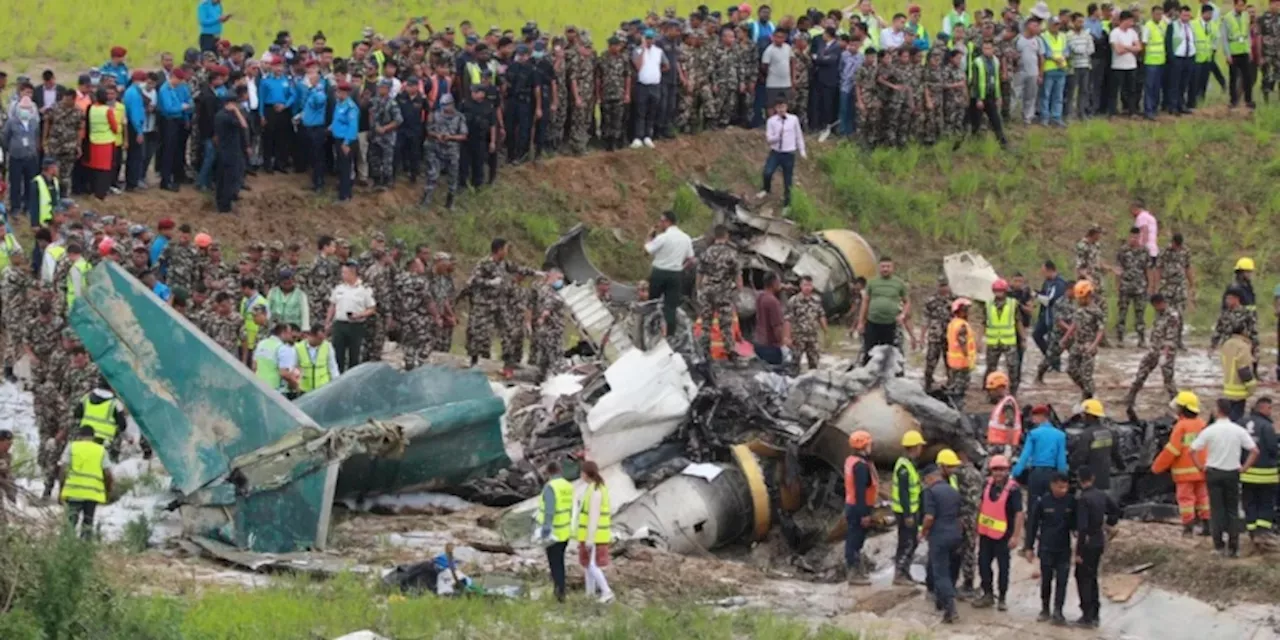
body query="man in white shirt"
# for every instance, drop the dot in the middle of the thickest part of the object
(1224, 441)
(894, 36)
(350, 305)
(785, 141)
(649, 61)
(672, 252)
(1182, 40)
(1126, 43)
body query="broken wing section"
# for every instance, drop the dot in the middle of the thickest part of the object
(198, 406)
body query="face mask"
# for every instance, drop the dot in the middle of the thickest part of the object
(557, 285)
(538, 55)
(26, 116)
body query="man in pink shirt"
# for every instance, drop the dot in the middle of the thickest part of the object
(1147, 229)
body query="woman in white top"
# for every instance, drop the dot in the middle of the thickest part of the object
(591, 527)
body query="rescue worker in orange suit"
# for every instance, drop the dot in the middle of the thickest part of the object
(1176, 458)
(962, 352)
(941, 527)
(1000, 521)
(1096, 447)
(1004, 427)
(861, 490)
(1095, 509)
(906, 505)
(1258, 484)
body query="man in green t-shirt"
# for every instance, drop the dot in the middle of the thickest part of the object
(884, 307)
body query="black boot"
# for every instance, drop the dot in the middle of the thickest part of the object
(8, 374)
(1058, 619)
(1044, 615)
(448, 202)
(1204, 529)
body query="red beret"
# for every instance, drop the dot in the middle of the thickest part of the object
(1040, 409)
(118, 52)
(915, 8)
(224, 43)
(180, 74)
(277, 60)
(165, 223)
(344, 86)
(219, 70)
(311, 63)
(139, 75)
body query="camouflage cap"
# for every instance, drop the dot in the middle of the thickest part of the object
(246, 260)
(257, 246)
(70, 334)
(276, 245)
(343, 242)
(378, 236)
(295, 246)
(399, 243)
(139, 247)
(441, 256)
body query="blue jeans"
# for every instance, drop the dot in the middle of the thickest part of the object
(758, 107)
(848, 114)
(1151, 89)
(1180, 83)
(22, 171)
(1055, 82)
(207, 158)
(785, 161)
(943, 560)
(854, 536)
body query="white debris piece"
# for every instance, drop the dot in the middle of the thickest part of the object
(970, 275)
(649, 396)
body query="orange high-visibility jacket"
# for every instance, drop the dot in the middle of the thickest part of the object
(1176, 456)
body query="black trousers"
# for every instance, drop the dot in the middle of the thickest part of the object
(876, 335)
(136, 162)
(907, 543)
(1124, 89)
(475, 155)
(997, 550)
(277, 138)
(555, 561)
(1087, 581)
(228, 176)
(173, 150)
(208, 42)
(344, 167)
(1224, 507)
(1055, 570)
(646, 101)
(993, 118)
(1038, 484)
(944, 569)
(668, 103)
(80, 513)
(347, 340)
(409, 152)
(316, 137)
(1242, 74)
(1259, 506)
(668, 285)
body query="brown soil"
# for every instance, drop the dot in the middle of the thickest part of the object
(1189, 565)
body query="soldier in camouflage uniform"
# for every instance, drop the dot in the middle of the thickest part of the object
(62, 131)
(446, 130)
(41, 340)
(1234, 319)
(415, 322)
(870, 105)
(180, 255)
(271, 264)
(82, 377)
(802, 63)
(547, 343)
(443, 291)
(1269, 30)
(1087, 329)
(1164, 345)
(970, 484)
(1173, 269)
(614, 93)
(719, 279)
(379, 277)
(17, 295)
(1063, 314)
(1007, 50)
(319, 279)
(937, 313)
(486, 287)
(1131, 262)
(1089, 265)
(748, 58)
(895, 79)
(725, 77)
(581, 75)
(385, 118)
(955, 101)
(932, 114)
(808, 323)
(520, 303)
(223, 324)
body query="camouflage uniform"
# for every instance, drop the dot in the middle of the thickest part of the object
(443, 291)
(521, 301)
(869, 125)
(318, 283)
(1133, 291)
(719, 267)
(182, 265)
(382, 146)
(725, 76)
(59, 285)
(1007, 51)
(548, 334)
(416, 324)
(898, 104)
(487, 287)
(932, 115)
(955, 102)
(1231, 322)
(1089, 262)
(937, 314)
(748, 58)
(1174, 264)
(806, 314)
(615, 74)
(581, 71)
(799, 103)
(380, 279)
(1064, 312)
(64, 139)
(1269, 29)
(443, 155)
(16, 298)
(44, 338)
(225, 330)
(1164, 336)
(971, 485)
(1089, 320)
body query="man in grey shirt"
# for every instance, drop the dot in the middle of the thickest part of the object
(941, 527)
(1030, 64)
(779, 71)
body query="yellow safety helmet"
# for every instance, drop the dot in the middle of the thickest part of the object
(1244, 264)
(912, 438)
(947, 458)
(1093, 407)
(1186, 400)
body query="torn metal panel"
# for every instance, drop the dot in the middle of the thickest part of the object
(304, 562)
(569, 254)
(648, 398)
(596, 321)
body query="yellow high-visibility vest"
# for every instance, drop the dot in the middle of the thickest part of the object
(315, 373)
(1237, 33)
(1057, 49)
(1153, 52)
(1000, 329)
(604, 530)
(83, 267)
(100, 416)
(562, 518)
(85, 479)
(10, 246)
(46, 199)
(913, 486)
(99, 128)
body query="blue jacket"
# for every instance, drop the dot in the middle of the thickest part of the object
(1046, 446)
(209, 14)
(274, 90)
(346, 122)
(134, 108)
(313, 106)
(1050, 291)
(169, 100)
(120, 71)
(157, 248)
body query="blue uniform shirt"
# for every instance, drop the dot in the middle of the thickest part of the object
(135, 110)
(346, 121)
(120, 71)
(209, 14)
(1046, 446)
(169, 100)
(274, 90)
(313, 105)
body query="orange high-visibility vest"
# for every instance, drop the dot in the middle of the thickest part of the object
(957, 357)
(993, 518)
(997, 431)
(873, 489)
(1176, 457)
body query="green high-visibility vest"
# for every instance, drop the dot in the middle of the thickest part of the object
(100, 416)
(1000, 329)
(83, 267)
(562, 518)
(251, 328)
(267, 366)
(46, 200)
(56, 250)
(1057, 48)
(978, 73)
(1237, 33)
(913, 486)
(10, 246)
(1153, 52)
(1204, 34)
(315, 373)
(85, 480)
(604, 530)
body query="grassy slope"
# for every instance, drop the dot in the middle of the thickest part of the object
(170, 25)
